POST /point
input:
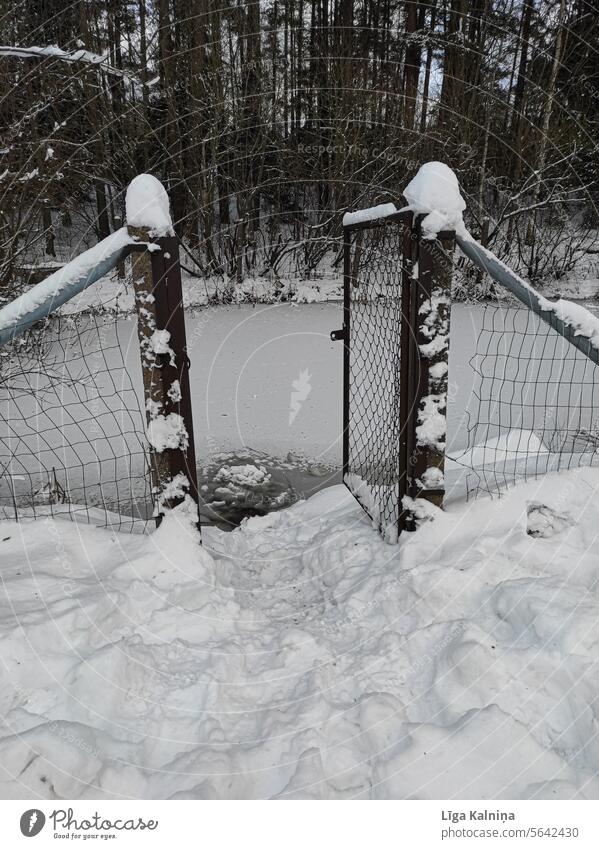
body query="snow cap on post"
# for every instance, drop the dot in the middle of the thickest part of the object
(435, 192)
(147, 206)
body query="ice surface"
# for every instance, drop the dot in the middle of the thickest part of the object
(147, 206)
(512, 445)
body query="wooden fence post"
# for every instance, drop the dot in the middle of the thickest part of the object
(165, 367)
(430, 317)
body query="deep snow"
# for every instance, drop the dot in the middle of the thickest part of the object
(300, 656)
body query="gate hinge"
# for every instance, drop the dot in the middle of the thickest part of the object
(339, 335)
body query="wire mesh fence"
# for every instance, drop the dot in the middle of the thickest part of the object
(534, 406)
(376, 265)
(73, 421)
(72, 434)
(531, 396)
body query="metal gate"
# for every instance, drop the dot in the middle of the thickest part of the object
(389, 277)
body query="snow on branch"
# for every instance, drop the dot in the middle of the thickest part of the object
(80, 55)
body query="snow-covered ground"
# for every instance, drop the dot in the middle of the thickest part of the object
(112, 294)
(300, 656)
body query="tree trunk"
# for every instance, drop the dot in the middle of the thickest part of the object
(97, 144)
(520, 90)
(450, 107)
(427, 68)
(168, 72)
(542, 155)
(411, 71)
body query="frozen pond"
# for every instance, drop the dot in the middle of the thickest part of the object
(247, 361)
(266, 384)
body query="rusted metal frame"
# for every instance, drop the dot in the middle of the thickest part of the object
(405, 356)
(346, 335)
(433, 275)
(411, 372)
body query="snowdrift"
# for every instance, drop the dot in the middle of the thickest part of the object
(301, 657)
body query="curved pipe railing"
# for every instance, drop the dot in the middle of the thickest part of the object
(74, 277)
(502, 275)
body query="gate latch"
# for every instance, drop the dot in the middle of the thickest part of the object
(339, 335)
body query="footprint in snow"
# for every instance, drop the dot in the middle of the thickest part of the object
(544, 521)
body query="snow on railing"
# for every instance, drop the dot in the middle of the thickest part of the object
(36, 304)
(147, 207)
(572, 321)
(435, 193)
(372, 213)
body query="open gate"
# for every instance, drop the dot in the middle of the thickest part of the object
(396, 303)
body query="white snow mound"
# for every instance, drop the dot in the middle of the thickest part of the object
(147, 205)
(435, 192)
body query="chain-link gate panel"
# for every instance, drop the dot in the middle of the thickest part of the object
(377, 267)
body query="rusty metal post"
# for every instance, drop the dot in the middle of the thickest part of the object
(165, 367)
(347, 283)
(431, 293)
(405, 357)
